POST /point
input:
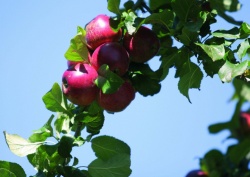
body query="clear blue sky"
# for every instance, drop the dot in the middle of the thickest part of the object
(166, 133)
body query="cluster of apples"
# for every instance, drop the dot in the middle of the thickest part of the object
(115, 49)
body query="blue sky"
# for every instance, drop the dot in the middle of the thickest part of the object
(166, 133)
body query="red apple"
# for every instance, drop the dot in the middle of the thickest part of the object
(119, 100)
(78, 84)
(196, 173)
(114, 55)
(98, 31)
(141, 46)
(245, 122)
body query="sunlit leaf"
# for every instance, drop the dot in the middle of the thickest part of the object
(20, 146)
(216, 52)
(242, 48)
(229, 70)
(233, 33)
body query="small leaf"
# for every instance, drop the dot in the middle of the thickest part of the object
(157, 4)
(117, 166)
(145, 85)
(164, 18)
(53, 99)
(107, 80)
(244, 30)
(129, 21)
(191, 79)
(20, 146)
(242, 48)
(239, 152)
(216, 52)
(65, 146)
(229, 70)
(77, 50)
(43, 133)
(94, 123)
(106, 147)
(62, 124)
(14, 168)
(188, 37)
(113, 6)
(233, 33)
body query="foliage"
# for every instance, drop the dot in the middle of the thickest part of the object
(200, 52)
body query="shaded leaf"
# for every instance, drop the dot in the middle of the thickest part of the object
(43, 133)
(239, 151)
(65, 146)
(192, 79)
(229, 70)
(187, 37)
(107, 80)
(105, 147)
(113, 6)
(118, 166)
(20, 146)
(14, 168)
(6, 173)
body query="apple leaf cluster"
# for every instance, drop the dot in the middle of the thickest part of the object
(108, 66)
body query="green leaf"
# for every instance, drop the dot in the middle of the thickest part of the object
(188, 37)
(218, 127)
(107, 80)
(62, 124)
(145, 85)
(94, 123)
(65, 146)
(244, 30)
(113, 6)
(20, 146)
(46, 158)
(233, 33)
(185, 9)
(229, 70)
(164, 18)
(157, 4)
(117, 166)
(78, 50)
(192, 79)
(239, 151)
(105, 147)
(215, 52)
(242, 90)
(14, 168)
(129, 21)
(53, 99)
(68, 171)
(43, 133)
(242, 48)
(195, 25)
(6, 173)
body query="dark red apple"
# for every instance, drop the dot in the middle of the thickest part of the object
(119, 100)
(141, 46)
(196, 173)
(245, 122)
(78, 84)
(98, 31)
(114, 55)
